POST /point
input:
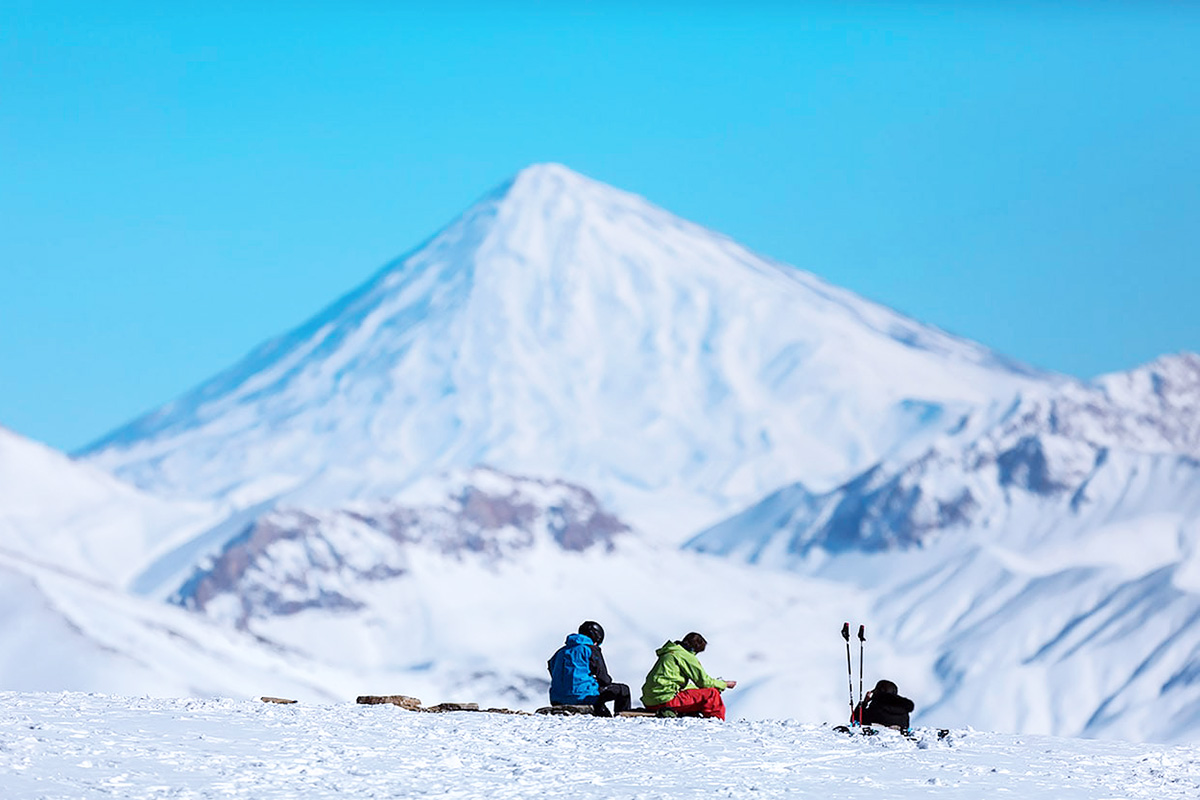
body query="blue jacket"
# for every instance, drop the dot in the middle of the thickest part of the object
(571, 678)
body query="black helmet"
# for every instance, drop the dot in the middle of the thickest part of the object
(593, 631)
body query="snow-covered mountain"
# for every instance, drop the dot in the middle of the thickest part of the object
(568, 331)
(1021, 545)
(1130, 439)
(1047, 561)
(563, 328)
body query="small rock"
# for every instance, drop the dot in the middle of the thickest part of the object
(404, 701)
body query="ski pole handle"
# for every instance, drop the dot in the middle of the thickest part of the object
(846, 631)
(862, 633)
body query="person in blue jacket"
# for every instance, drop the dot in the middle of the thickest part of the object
(579, 676)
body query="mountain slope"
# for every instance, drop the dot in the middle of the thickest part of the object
(62, 631)
(563, 328)
(1076, 452)
(81, 518)
(1046, 563)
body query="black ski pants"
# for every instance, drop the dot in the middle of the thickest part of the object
(618, 693)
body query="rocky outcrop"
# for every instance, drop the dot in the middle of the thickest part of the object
(290, 560)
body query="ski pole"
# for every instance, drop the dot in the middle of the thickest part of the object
(862, 637)
(849, 668)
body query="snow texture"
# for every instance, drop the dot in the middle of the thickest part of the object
(90, 746)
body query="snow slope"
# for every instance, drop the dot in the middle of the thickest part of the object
(563, 328)
(91, 746)
(71, 537)
(58, 629)
(81, 518)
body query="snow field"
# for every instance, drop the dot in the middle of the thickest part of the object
(91, 746)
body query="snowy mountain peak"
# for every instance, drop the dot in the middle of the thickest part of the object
(564, 328)
(539, 188)
(543, 184)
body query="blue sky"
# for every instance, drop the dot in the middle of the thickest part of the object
(179, 182)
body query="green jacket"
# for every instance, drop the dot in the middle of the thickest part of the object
(677, 669)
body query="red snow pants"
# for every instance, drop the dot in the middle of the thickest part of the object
(695, 703)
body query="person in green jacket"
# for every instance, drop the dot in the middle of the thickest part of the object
(678, 686)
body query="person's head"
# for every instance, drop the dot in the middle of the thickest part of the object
(593, 631)
(886, 687)
(694, 642)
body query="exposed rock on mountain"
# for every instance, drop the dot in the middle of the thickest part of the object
(290, 560)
